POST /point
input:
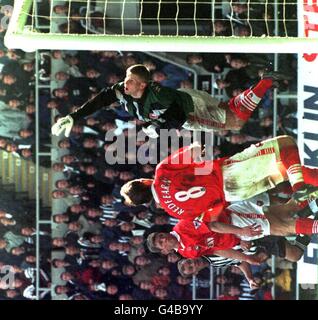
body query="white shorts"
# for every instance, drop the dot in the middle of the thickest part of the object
(253, 171)
(250, 211)
(207, 114)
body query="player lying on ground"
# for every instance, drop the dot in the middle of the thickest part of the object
(184, 192)
(166, 108)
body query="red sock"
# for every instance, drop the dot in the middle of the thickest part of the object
(310, 175)
(306, 226)
(262, 86)
(290, 158)
(244, 104)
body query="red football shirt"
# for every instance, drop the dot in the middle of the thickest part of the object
(196, 239)
(187, 189)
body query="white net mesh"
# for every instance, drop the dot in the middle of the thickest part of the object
(166, 17)
(152, 25)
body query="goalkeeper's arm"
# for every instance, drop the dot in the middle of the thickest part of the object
(104, 98)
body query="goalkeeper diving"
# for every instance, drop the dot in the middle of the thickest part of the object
(166, 108)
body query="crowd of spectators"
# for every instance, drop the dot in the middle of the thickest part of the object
(17, 136)
(104, 245)
(17, 100)
(17, 250)
(17, 128)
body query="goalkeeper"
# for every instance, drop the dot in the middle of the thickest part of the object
(166, 108)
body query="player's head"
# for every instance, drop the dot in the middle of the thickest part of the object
(137, 192)
(162, 242)
(136, 80)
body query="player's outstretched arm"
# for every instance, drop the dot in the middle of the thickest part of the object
(104, 98)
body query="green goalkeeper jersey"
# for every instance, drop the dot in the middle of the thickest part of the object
(165, 107)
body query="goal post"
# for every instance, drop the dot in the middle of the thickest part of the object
(16, 28)
(129, 30)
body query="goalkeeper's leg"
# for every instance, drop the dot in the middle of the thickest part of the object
(242, 106)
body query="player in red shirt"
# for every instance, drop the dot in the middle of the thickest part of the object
(193, 239)
(186, 188)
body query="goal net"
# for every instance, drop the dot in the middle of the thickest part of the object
(193, 25)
